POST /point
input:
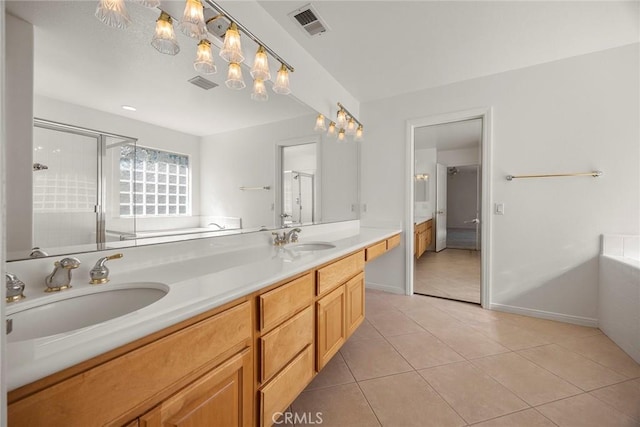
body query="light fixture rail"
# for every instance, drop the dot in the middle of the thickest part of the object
(248, 33)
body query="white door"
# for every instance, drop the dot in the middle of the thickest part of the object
(441, 207)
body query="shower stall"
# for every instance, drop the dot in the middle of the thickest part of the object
(298, 197)
(75, 184)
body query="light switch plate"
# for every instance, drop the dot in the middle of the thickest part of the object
(499, 209)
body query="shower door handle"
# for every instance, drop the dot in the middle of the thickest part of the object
(473, 221)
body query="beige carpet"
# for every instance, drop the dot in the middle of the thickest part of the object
(451, 273)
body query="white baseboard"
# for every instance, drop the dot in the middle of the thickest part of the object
(385, 288)
(567, 318)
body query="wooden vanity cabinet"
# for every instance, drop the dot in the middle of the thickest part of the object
(380, 248)
(285, 345)
(423, 234)
(340, 306)
(239, 365)
(195, 369)
(221, 397)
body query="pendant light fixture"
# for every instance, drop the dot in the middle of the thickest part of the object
(260, 68)
(281, 85)
(259, 91)
(341, 135)
(164, 39)
(331, 132)
(359, 133)
(204, 58)
(231, 48)
(113, 13)
(192, 23)
(321, 125)
(342, 119)
(234, 77)
(351, 127)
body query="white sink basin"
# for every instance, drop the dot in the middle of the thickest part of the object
(312, 246)
(82, 310)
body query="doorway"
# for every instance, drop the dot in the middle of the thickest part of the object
(298, 166)
(454, 150)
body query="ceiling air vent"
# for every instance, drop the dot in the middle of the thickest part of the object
(203, 83)
(307, 17)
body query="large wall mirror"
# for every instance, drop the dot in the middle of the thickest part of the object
(188, 162)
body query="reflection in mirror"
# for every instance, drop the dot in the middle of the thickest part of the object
(197, 148)
(299, 164)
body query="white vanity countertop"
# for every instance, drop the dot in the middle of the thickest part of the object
(196, 284)
(421, 219)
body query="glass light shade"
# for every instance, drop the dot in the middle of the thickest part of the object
(331, 132)
(192, 23)
(234, 77)
(260, 69)
(342, 119)
(149, 3)
(113, 13)
(341, 135)
(231, 48)
(320, 126)
(351, 127)
(281, 86)
(259, 91)
(359, 134)
(164, 40)
(204, 58)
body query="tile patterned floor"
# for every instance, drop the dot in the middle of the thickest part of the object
(421, 361)
(451, 273)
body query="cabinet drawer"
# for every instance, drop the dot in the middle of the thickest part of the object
(135, 377)
(393, 241)
(421, 227)
(376, 250)
(337, 273)
(283, 302)
(221, 397)
(285, 387)
(280, 345)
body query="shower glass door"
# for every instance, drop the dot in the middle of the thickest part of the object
(76, 175)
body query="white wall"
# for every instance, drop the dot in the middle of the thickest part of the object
(247, 158)
(148, 136)
(576, 114)
(460, 157)
(18, 94)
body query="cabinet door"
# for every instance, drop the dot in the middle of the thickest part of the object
(330, 311)
(221, 397)
(354, 289)
(422, 240)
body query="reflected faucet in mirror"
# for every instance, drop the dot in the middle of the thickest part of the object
(220, 227)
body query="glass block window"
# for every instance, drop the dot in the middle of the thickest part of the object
(153, 182)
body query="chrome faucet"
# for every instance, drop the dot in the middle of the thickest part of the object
(15, 288)
(220, 227)
(283, 216)
(60, 278)
(286, 237)
(36, 252)
(100, 273)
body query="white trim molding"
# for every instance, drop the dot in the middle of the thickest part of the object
(549, 315)
(486, 114)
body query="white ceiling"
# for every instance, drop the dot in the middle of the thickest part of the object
(378, 49)
(449, 136)
(82, 61)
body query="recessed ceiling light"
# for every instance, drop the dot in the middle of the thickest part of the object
(129, 108)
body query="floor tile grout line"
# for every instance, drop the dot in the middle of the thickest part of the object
(593, 360)
(611, 406)
(360, 388)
